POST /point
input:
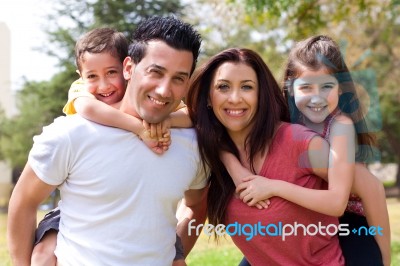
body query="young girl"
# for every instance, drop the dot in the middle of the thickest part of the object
(322, 96)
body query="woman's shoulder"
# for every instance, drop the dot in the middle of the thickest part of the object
(294, 129)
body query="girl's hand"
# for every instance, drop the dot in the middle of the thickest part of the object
(255, 191)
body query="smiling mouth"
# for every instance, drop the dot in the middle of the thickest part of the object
(158, 102)
(106, 94)
(235, 112)
(317, 109)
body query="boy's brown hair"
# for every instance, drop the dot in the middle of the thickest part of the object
(101, 40)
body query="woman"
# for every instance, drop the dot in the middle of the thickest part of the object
(237, 106)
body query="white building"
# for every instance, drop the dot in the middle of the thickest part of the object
(7, 104)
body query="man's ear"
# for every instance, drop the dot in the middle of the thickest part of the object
(128, 66)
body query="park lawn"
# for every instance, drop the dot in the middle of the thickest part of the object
(207, 253)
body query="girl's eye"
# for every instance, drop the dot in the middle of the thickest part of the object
(91, 76)
(304, 87)
(328, 87)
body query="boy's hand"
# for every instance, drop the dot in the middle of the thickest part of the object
(158, 130)
(155, 145)
(255, 191)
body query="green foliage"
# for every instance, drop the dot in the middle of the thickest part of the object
(40, 102)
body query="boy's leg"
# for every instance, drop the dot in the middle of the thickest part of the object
(46, 239)
(43, 252)
(179, 259)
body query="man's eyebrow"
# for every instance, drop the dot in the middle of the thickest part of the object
(179, 73)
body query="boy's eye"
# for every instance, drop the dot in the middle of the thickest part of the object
(112, 72)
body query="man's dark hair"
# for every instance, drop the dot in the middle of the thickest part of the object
(174, 32)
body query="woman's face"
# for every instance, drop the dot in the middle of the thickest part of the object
(234, 96)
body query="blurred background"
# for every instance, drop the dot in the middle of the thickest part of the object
(37, 66)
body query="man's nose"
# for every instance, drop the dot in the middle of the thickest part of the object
(164, 89)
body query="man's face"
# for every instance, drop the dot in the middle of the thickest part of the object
(158, 83)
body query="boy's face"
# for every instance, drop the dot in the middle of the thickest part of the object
(158, 83)
(103, 76)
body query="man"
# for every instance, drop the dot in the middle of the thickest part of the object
(118, 198)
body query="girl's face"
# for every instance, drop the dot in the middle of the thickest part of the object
(316, 94)
(234, 97)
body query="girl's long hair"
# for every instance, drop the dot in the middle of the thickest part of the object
(212, 135)
(319, 52)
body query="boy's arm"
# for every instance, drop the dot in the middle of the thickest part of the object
(372, 194)
(180, 118)
(101, 113)
(28, 193)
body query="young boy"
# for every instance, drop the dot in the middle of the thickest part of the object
(96, 96)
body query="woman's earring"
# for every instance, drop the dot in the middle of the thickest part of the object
(209, 107)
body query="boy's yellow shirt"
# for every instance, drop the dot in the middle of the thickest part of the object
(76, 90)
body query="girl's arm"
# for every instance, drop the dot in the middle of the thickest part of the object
(372, 194)
(332, 201)
(239, 173)
(235, 169)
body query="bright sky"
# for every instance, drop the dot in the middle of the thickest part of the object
(25, 20)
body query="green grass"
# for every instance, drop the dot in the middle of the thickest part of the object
(207, 253)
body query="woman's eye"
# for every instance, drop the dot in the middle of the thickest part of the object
(247, 87)
(223, 87)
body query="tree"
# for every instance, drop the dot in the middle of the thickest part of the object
(40, 102)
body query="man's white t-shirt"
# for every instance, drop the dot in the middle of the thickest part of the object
(118, 198)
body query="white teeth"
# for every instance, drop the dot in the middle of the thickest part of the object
(316, 109)
(157, 101)
(106, 94)
(234, 112)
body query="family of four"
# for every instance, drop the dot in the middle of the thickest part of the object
(232, 155)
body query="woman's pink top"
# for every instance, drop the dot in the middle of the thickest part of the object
(287, 160)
